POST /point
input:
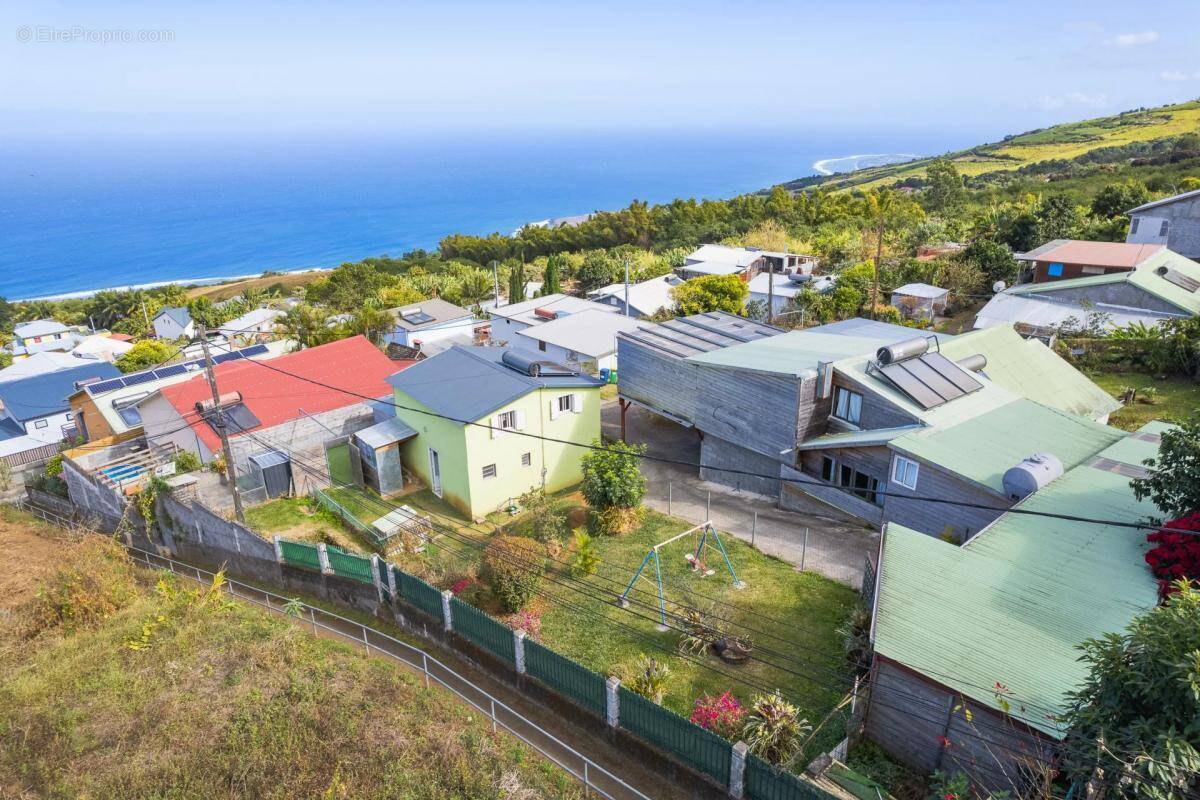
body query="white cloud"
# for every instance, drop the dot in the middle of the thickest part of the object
(1050, 102)
(1179, 76)
(1134, 39)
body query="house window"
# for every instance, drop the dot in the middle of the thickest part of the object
(565, 403)
(1091, 270)
(904, 472)
(1166, 225)
(828, 469)
(489, 471)
(507, 420)
(42, 423)
(526, 459)
(847, 405)
(1055, 270)
(1133, 226)
(857, 483)
(542, 346)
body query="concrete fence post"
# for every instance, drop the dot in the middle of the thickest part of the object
(612, 701)
(804, 552)
(323, 559)
(447, 617)
(519, 650)
(278, 549)
(375, 576)
(391, 573)
(737, 770)
(199, 533)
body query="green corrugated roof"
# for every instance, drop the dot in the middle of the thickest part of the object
(1142, 276)
(983, 447)
(863, 438)
(793, 353)
(1014, 603)
(1028, 368)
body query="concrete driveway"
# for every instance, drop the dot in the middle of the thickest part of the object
(833, 548)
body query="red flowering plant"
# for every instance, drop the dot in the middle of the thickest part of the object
(1175, 554)
(722, 714)
(528, 620)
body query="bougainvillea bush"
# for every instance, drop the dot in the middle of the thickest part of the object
(1175, 555)
(722, 714)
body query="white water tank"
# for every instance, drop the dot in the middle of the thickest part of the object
(1031, 474)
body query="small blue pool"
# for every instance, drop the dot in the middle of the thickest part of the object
(120, 473)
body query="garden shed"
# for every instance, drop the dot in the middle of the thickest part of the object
(379, 449)
(920, 300)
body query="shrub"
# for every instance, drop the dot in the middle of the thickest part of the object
(611, 477)
(586, 559)
(54, 466)
(186, 461)
(1175, 555)
(615, 520)
(546, 522)
(946, 786)
(95, 579)
(774, 730)
(649, 678)
(528, 620)
(723, 714)
(513, 567)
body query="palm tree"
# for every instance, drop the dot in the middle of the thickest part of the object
(307, 324)
(885, 209)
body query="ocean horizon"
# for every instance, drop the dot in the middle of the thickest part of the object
(77, 218)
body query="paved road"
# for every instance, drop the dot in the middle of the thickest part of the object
(835, 549)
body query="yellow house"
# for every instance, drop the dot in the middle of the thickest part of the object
(492, 423)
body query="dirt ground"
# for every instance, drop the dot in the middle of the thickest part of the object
(224, 291)
(31, 547)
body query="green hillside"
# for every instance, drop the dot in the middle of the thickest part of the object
(1143, 133)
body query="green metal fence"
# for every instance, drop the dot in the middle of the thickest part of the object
(700, 749)
(483, 630)
(574, 680)
(349, 565)
(344, 514)
(300, 555)
(420, 594)
(765, 782)
(385, 570)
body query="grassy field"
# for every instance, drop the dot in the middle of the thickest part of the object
(224, 291)
(1176, 399)
(1060, 142)
(111, 686)
(298, 519)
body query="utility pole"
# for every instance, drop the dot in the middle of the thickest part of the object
(219, 422)
(626, 260)
(145, 315)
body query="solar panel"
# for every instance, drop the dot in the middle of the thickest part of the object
(138, 377)
(418, 318)
(238, 417)
(174, 369)
(105, 386)
(931, 379)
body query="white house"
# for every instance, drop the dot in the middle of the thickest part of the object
(35, 412)
(780, 288)
(719, 259)
(586, 341)
(432, 325)
(645, 299)
(252, 325)
(101, 346)
(39, 336)
(174, 322)
(507, 321)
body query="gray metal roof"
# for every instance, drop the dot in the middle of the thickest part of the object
(46, 394)
(700, 333)
(468, 383)
(432, 312)
(1165, 201)
(269, 458)
(390, 431)
(38, 327)
(178, 313)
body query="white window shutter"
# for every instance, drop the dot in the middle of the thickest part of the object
(576, 403)
(495, 423)
(554, 408)
(520, 420)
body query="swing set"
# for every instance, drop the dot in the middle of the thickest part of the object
(695, 559)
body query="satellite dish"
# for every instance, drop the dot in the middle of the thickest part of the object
(998, 287)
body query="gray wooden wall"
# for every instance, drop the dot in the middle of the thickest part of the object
(933, 518)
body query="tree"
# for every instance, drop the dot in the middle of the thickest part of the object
(1189, 184)
(992, 259)
(1057, 218)
(516, 283)
(598, 269)
(556, 265)
(1132, 728)
(1174, 480)
(6, 316)
(1117, 198)
(372, 322)
(308, 325)
(946, 192)
(885, 210)
(144, 354)
(710, 293)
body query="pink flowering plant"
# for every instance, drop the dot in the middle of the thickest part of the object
(722, 714)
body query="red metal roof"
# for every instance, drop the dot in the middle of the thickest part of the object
(1118, 255)
(354, 365)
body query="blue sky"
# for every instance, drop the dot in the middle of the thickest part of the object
(428, 68)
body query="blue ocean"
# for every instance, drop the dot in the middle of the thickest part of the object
(108, 212)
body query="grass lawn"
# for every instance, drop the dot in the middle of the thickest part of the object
(295, 518)
(1177, 398)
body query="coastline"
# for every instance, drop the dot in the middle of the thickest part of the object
(824, 167)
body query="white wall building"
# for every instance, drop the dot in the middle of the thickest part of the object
(507, 321)
(586, 341)
(432, 326)
(174, 322)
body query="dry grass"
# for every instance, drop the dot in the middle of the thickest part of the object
(179, 693)
(224, 291)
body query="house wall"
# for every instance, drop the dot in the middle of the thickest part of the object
(876, 411)
(561, 355)
(50, 427)
(304, 438)
(505, 330)
(933, 518)
(434, 333)
(1121, 294)
(444, 436)
(810, 495)
(93, 424)
(873, 461)
(1183, 233)
(1041, 271)
(910, 715)
(166, 328)
(164, 425)
(718, 455)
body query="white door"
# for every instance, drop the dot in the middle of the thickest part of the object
(435, 472)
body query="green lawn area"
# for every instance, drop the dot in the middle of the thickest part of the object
(1176, 399)
(300, 520)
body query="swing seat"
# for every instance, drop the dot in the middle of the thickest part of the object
(708, 572)
(688, 557)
